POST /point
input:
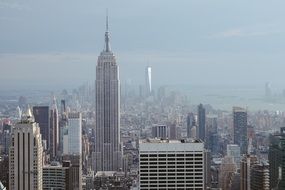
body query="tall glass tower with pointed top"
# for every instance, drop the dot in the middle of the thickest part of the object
(108, 153)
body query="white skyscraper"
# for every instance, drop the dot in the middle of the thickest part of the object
(25, 156)
(72, 139)
(171, 164)
(108, 154)
(148, 80)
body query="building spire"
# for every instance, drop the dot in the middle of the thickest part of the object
(107, 36)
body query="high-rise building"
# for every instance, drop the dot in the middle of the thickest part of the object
(276, 159)
(54, 130)
(72, 140)
(171, 164)
(55, 176)
(201, 122)
(245, 167)
(148, 81)
(233, 150)
(108, 153)
(25, 157)
(41, 114)
(240, 128)
(190, 123)
(259, 176)
(227, 172)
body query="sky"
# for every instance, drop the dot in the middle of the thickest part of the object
(56, 43)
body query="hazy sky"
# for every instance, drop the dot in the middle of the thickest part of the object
(56, 42)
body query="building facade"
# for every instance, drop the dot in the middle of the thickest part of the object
(72, 139)
(55, 177)
(171, 164)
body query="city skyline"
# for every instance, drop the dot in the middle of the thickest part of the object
(227, 40)
(207, 111)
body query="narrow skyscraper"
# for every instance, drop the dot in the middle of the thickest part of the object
(108, 154)
(240, 128)
(54, 130)
(201, 122)
(148, 80)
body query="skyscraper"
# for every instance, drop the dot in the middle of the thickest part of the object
(108, 154)
(73, 138)
(148, 80)
(41, 115)
(25, 157)
(276, 159)
(54, 130)
(240, 128)
(190, 123)
(201, 122)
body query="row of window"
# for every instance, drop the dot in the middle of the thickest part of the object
(173, 167)
(178, 177)
(172, 174)
(171, 155)
(161, 163)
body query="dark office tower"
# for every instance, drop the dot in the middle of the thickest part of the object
(201, 122)
(41, 115)
(62, 107)
(108, 153)
(240, 128)
(190, 123)
(276, 159)
(74, 163)
(54, 130)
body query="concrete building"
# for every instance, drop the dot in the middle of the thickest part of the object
(55, 176)
(25, 156)
(171, 164)
(108, 154)
(240, 128)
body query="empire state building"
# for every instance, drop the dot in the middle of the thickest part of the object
(108, 153)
